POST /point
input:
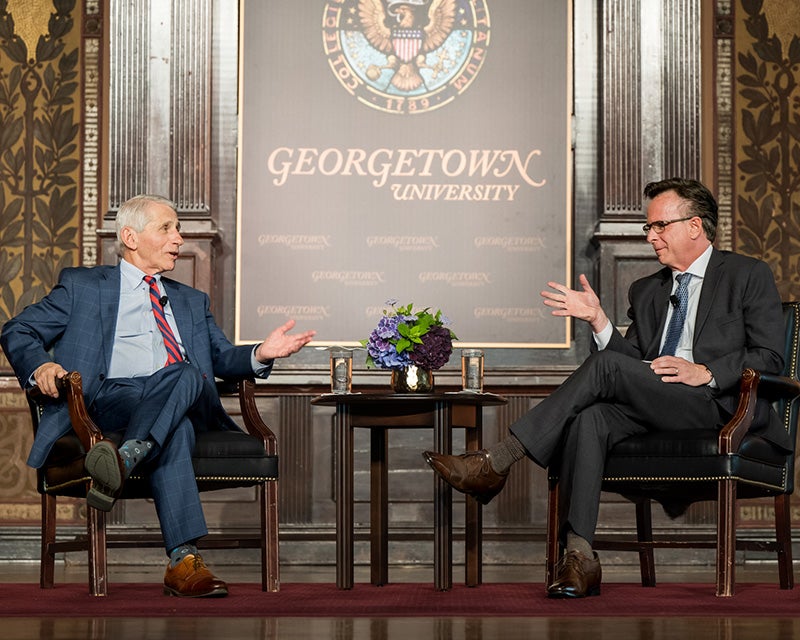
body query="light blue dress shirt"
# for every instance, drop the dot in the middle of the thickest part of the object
(138, 344)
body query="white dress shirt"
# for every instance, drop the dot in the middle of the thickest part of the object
(684, 349)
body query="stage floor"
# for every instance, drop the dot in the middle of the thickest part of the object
(466, 628)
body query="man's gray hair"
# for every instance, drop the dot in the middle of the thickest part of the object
(133, 213)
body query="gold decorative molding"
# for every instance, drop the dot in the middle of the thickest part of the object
(723, 117)
(92, 138)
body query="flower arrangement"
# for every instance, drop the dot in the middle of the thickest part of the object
(405, 337)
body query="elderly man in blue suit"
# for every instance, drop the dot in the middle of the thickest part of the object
(148, 350)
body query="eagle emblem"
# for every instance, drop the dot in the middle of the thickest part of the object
(405, 30)
(406, 56)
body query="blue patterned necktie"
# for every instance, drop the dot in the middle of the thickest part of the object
(678, 319)
(173, 350)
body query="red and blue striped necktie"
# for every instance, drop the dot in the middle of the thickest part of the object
(173, 349)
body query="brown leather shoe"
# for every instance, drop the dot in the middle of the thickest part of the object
(469, 473)
(104, 464)
(191, 578)
(576, 576)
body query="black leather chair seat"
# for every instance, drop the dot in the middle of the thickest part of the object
(214, 453)
(693, 455)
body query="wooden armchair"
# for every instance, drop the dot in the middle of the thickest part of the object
(679, 468)
(222, 459)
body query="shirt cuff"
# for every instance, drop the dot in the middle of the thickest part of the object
(604, 337)
(260, 369)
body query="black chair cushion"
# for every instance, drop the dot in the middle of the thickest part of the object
(691, 456)
(691, 443)
(221, 459)
(232, 455)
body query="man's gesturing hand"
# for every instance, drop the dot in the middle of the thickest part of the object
(280, 343)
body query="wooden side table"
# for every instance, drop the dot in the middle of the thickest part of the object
(379, 412)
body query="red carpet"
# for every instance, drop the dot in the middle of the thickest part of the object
(401, 600)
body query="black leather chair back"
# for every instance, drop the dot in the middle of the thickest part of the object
(788, 409)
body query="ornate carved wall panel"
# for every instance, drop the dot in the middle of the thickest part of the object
(41, 80)
(622, 118)
(160, 88)
(765, 159)
(50, 95)
(767, 150)
(722, 120)
(651, 126)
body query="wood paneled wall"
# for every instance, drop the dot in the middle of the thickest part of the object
(169, 124)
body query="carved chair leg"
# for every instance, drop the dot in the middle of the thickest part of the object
(644, 533)
(783, 535)
(553, 549)
(726, 537)
(47, 560)
(98, 561)
(270, 557)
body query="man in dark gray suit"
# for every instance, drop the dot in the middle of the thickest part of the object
(148, 350)
(695, 325)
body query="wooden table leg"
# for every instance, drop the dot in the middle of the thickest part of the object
(442, 504)
(344, 498)
(473, 528)
(379, 507)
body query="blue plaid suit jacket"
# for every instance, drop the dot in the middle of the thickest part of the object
(76, 323)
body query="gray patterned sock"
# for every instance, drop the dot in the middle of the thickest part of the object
(177, 555)
(133, 452)
(576, 543)
(505, 453)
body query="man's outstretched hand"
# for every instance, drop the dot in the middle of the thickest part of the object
(281, 344)
(584, 305)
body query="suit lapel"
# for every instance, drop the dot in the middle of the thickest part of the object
(710, 280)
(109, 310)
(659, 309)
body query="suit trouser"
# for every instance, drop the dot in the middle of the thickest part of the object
(608, 398)
(166, 408)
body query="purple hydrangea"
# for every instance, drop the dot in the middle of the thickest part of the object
(381, 350)
(425, 341)
(435, 350)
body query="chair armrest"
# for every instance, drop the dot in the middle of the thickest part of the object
(754, 383)
(252, 419)
(71, 391)
(88, 432)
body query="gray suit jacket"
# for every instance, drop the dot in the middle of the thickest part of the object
(77, 320)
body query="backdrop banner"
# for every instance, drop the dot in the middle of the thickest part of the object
(416, 150)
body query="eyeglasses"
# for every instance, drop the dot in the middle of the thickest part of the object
(659, 225)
